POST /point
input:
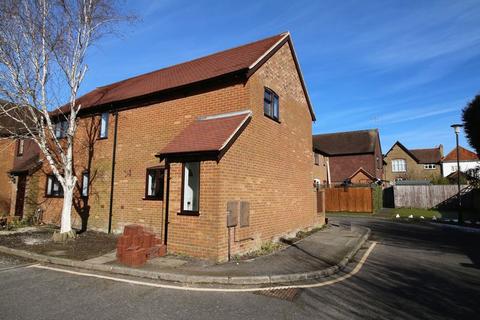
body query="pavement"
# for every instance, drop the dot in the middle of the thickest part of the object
(416, 271)
(322, 254)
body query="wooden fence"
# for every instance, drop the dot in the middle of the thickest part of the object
(352, 199)
(429, 196)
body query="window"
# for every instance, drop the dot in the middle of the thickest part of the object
(317, 159)
(104, 125)
(429, 166)
(399, 165)
(20, 147)
(85, 183)
(454, 167)
(154, 185)
(54, 188)
(61, 129)
(271, 104)
(190, 187)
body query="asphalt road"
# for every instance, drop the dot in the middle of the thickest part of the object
(416, 271)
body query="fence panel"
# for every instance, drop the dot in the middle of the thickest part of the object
(429, 196)
(349, 199)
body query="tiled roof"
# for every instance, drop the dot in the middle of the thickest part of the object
(208, 134)
(341, 143)
(9, 126)
(243, 58)
(465, 155)
(432, 155)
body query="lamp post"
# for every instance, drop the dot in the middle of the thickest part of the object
(456, 128)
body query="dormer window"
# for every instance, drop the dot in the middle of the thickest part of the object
(271, 104)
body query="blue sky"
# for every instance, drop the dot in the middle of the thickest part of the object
(405, 67)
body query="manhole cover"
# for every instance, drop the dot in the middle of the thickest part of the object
(284, 294)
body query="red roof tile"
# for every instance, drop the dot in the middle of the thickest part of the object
(204, 68)
(350, 142)
(433, 155)
(245, 57)
(207, 134)
(465, 155)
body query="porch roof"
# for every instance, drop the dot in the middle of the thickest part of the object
(29, 165)
(209, 134)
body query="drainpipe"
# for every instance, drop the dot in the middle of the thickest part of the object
(114, 153)
(167, 202)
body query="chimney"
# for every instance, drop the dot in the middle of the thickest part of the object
(441, 150)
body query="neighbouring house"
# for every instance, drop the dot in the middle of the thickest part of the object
(354, 156)
(197, 147)
(321, 169)
(403, 164)
(468, 160)
(7, 154)
(19, 160)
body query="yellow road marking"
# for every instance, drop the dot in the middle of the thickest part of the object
(355, 270)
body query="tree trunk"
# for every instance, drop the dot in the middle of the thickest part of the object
(66, 223)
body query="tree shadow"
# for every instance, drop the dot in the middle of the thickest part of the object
(81, 202)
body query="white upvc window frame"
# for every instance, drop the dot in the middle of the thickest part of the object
(399, 165)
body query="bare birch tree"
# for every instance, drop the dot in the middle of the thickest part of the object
(43, 46)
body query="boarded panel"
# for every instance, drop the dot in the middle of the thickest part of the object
(244, 214)
(349, 199)
(232, 213)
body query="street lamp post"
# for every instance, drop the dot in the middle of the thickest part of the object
(456, 128)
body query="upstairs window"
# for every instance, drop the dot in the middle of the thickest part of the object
(154, 185)
(104, 125)
(85, 183)
(317, 159)
(54, 188)
(399, 165)
(429, 166)
(20, 147)
(271, 104)
(191, 188)
(61, 129)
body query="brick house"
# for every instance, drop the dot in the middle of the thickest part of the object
(354, 155)
(192, 142)
(19, 160)
(412, 164)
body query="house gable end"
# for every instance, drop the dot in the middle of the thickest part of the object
(280, 45)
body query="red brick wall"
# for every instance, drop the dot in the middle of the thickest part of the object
(7, 150)
(270, 165)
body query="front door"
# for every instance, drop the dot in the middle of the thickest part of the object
(21, 185)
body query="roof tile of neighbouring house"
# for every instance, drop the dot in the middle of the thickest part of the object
(222, 63)
(208, 134)
(433, 155)
(465, 155)
(341, 143)
(8, 112)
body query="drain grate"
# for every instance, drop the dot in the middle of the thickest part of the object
(284, 294)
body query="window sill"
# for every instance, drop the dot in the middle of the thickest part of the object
(152, 199)
(188, 213)
(102, 138)
(272, 118)
(51, 196)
